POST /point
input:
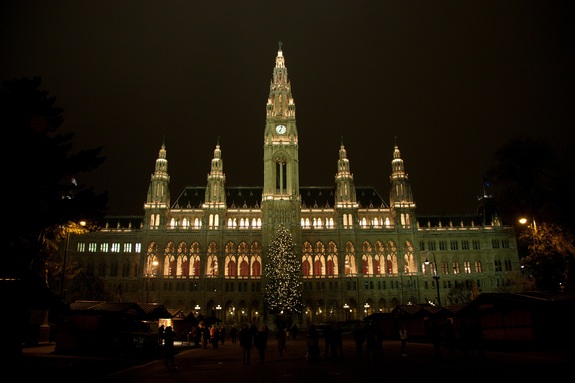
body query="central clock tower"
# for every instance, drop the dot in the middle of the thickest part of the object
(280, 198)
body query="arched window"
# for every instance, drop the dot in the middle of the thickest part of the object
(330, 268)
(231, 269)
(256, 268)
(244, 268)
(317, 268)
(350, 267)
(332, 251)
(367, 259)
(306, 259)
(305, 267)
(319, 260)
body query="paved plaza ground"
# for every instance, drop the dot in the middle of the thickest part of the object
(225, 364)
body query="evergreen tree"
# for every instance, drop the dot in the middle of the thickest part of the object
(42, 189)
(551, 260)
(532, 178)
(283, 288)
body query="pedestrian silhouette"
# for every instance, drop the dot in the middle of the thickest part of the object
(328, 341)
(403, 339)
(336, 342)
(205, 336)
(234, 334)
(449, 336)
(169, 352)
(214, 336)
(281, 338)
(294, 330)
(359, 338)
(261, 342)
(161, 332)
(222, 334)
(371, 343)
(436, 339)
(313, 353)
(246, 342)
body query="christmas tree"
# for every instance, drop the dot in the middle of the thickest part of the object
(283, 288)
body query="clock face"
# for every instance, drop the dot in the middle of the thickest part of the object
(281, 129)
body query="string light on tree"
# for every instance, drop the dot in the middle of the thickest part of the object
(283, 288)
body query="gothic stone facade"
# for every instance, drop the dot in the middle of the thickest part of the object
(206, 251)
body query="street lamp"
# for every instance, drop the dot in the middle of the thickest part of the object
(366, 308)
(435, 276)
(151, 269)
(346, 310)
(69, 228)
(533, 228)
(218, 309)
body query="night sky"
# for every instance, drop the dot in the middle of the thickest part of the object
(449, 81)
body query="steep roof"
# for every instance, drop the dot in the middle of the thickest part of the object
(242, 197)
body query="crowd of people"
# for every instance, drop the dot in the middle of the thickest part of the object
(368, 340)
(212, 335)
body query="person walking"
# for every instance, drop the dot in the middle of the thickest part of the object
(294, 330)
(161, 332)
(205, 336)
(234, 334)
(169, 352)
(359, 339)
(313, 353)
(222, 333)
(436, 340)
(246, 342)
(403, 339)
(281, 338)
(214, 336)
(328, 340)
(449, 332)
(261, 342)
(337, 343)
(371, 344)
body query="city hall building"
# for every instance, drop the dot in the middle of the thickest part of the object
(206, 251)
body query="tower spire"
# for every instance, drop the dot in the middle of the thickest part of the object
(158, 200)
(281, 195)
(345, 187)
(400, 195)
(280, 100)
(215, 193)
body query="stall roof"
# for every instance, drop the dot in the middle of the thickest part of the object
(144, 311)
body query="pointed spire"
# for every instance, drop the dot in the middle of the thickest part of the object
(280, 99)
(400, 194)
(162, 154)
(159, 188)
(215, 193)
(345, 187)
(217, 165)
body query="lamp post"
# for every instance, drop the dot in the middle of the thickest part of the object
(435, 276)
(366, 308)
(533, 228)
(532, 246)
(71, 226)
(218, 309)
(151, 269)
(346, 310)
